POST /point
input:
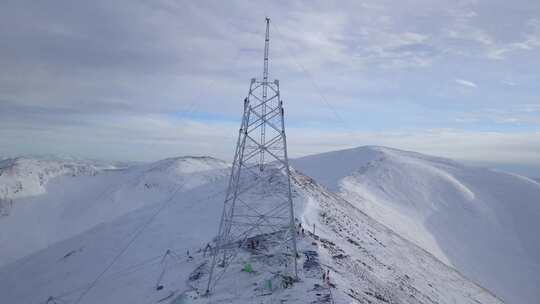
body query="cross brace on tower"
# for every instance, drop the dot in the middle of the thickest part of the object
(258, 201)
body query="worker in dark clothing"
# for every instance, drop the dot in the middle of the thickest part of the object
(207, 248)
(328, 276)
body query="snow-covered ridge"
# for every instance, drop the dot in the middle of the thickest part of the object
(482, 222)
(25, 176)
(186, 172)
(188, 164)
(367, 262)
(63, 198)
(20, 177)
(375, 265)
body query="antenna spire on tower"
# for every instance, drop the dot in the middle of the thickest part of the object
(266, 49)
(264, 91)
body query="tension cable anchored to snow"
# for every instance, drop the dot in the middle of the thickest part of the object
(140, 266)
(164, 264)
(138, 232)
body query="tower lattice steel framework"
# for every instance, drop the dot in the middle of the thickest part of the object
(258, 200)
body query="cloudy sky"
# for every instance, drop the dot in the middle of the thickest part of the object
(144, 80)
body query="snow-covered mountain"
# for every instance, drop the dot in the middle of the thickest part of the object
(126, 259)
(482, 222)
(21, 177)
(46, 201)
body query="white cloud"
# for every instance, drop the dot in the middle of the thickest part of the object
(152, 137)
(467, 32)
(520, 114)
(106, 79)
(530, 40)
(466, 83)
(509, 82)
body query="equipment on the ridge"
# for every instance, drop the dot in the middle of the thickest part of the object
(248, 268)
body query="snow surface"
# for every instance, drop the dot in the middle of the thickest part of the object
(125, 259)
(61, 199)
(482, 222)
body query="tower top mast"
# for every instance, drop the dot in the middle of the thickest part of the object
(264, 94)
(266, 49)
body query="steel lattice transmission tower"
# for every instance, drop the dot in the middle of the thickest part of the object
(258, 200)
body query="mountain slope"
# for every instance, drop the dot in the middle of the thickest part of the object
(59, 200)
(391, 269)
(368, 263)
(22, 176)
(483, 223)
